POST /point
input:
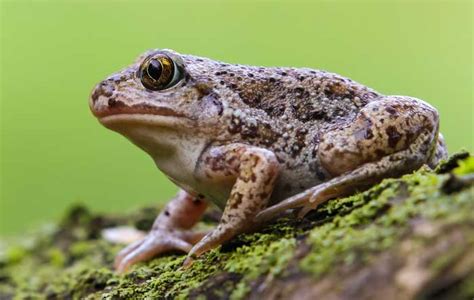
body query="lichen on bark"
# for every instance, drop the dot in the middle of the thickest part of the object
(404, 238)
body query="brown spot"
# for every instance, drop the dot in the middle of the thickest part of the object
(267, 136)
(338, 88)
(393, 136)
(369, 134)
(231, 160)
(329, 147)
(410, 137)
(203, 89)
(379, 153)
(391, 110)
(364, 133)
(299, 90)
(249, 131)
(320, 175)
(253, 177)
(115, 103)
(251, 98)
(236, 200)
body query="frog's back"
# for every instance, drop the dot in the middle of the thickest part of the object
(301, 95)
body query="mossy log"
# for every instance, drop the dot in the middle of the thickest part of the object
(406, 238)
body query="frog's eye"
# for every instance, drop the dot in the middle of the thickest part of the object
(159, 72)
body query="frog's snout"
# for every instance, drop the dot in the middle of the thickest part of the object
(104, 88)
(100, 96)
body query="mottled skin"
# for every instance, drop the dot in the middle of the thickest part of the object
(258, 141)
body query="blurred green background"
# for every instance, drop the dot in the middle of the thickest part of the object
(54, 153)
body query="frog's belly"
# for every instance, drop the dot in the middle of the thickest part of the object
(289, 183)
(217, 193)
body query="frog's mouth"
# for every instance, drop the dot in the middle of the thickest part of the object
(123, 120)
(119, 108)
(119, 114)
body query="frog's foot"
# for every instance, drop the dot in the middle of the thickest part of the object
(156, 242)
(170, 231)
(388, 138)
(255, 171)
(307, 200)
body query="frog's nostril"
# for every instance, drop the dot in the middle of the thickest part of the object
(102, 89)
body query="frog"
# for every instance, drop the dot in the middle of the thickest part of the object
(257, 142)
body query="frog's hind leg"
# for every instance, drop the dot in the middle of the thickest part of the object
(388, 138)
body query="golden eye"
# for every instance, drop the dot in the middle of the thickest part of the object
(159, 72)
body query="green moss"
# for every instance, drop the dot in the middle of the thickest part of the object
(378, 224)
(465, 166)
(15, 254)
(72, 261)
(56, 257)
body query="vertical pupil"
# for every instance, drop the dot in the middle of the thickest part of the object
(154, 69)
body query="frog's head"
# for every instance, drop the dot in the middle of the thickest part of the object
(159, 85)
(162, 93)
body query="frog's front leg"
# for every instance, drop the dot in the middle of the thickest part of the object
(388, 138)
(170, 231)
(254, 171)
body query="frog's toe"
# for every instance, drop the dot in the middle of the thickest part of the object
(320, 194)
(125, 251)
(306, 209)
(147, 248)
(135, 254)
(188, 262)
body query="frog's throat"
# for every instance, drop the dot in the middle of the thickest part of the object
(159, 136)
